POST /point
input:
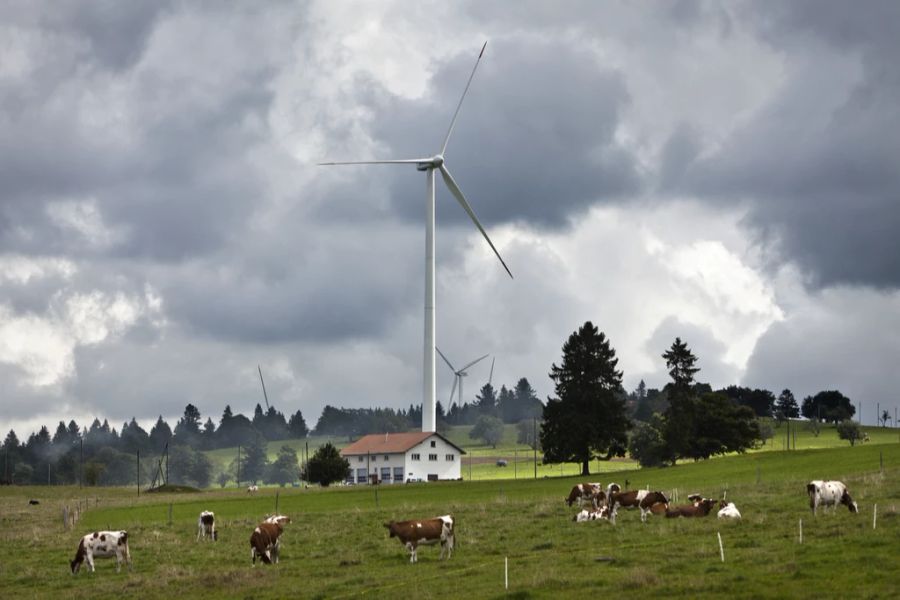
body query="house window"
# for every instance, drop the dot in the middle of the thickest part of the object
(433, 444)
(374, 458)
(415, 456)
(432, 457)
(360, 459)
(386, 474)
(449, 457)
(361, 476)
(398, 474)
(387, 458)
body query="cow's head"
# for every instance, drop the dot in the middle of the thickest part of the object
(390, 527)
(846, 499)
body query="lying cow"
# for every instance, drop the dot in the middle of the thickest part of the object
(699, 509)
(206, 526)
(642, 499)
(265, 543)
(829, 493)
(280, 519)
(582, 492)
(102, 544)
(427, 531)
(592, 515)
(727, 510)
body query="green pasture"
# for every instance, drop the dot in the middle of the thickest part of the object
(480, 461)
(337, 547)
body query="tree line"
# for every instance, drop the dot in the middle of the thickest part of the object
(591, 417)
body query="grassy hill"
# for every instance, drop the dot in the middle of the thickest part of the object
(337, 547)
(480, 461)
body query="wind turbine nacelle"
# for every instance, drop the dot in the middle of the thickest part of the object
(424, 166)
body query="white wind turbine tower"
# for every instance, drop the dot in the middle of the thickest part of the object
(458, 377)
(429, 165)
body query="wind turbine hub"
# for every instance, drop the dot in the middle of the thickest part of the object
(438, 160)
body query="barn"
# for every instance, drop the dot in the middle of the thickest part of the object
(402, 457)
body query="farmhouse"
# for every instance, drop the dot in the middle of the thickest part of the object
(401, 457)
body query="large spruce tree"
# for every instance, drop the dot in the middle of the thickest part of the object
(587, 418)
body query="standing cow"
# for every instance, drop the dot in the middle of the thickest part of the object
(582, 492)
(206, 526)
(426, 531)
(102, 544)
(829, 493)
(642, 499)
(265, 543)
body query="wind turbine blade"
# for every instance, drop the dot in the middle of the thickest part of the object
(458, 106)
(402, 161)
(491, 377)
(445, 359)
(454, 189)
(477, 360)
(453, 390)
(265, 395)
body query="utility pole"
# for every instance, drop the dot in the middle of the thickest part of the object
(139, 472)
(81, 465)
(239, 467)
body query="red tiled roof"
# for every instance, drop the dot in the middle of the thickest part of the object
(391, 443)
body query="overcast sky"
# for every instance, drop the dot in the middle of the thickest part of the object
(726, 173)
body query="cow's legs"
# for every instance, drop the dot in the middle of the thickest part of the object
(90, 561)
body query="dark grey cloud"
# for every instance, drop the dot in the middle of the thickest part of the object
(535, 139)
(821, 182)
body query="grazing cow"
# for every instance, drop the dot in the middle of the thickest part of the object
(427, 531)
(700, 509)
(252, 489)
(829, 493)
(581, 492)
(642, 499)
(727, 510)
(33, 502)
(206, 526)
(280, 519)
(265, 543)
(592, 515)
(102, 544)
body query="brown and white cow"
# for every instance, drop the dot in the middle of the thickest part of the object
(642, 499)
(829, 493)
(265, 543)
(280, 519)
(582, 492)
(699, 509)
(599, 514)
(102, 544)
(206, 526)
(426, 531)
(252, 489)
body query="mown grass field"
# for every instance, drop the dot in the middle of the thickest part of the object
(338, 548)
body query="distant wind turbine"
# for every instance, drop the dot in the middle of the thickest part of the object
(265, 395)
(429, 165)
(458, 375)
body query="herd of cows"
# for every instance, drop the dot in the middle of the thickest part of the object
(605, 504)
(265, 540)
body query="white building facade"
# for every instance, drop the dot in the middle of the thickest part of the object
(403, 457)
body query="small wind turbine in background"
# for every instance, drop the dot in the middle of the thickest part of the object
(265, 395)
(429, 165)
(458, 375)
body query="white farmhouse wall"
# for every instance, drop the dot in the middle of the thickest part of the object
(423, 467)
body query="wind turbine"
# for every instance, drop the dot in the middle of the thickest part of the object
(429, 165)
(458, 377)
(265, 395)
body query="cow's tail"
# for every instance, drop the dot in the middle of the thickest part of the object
(810, 488)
